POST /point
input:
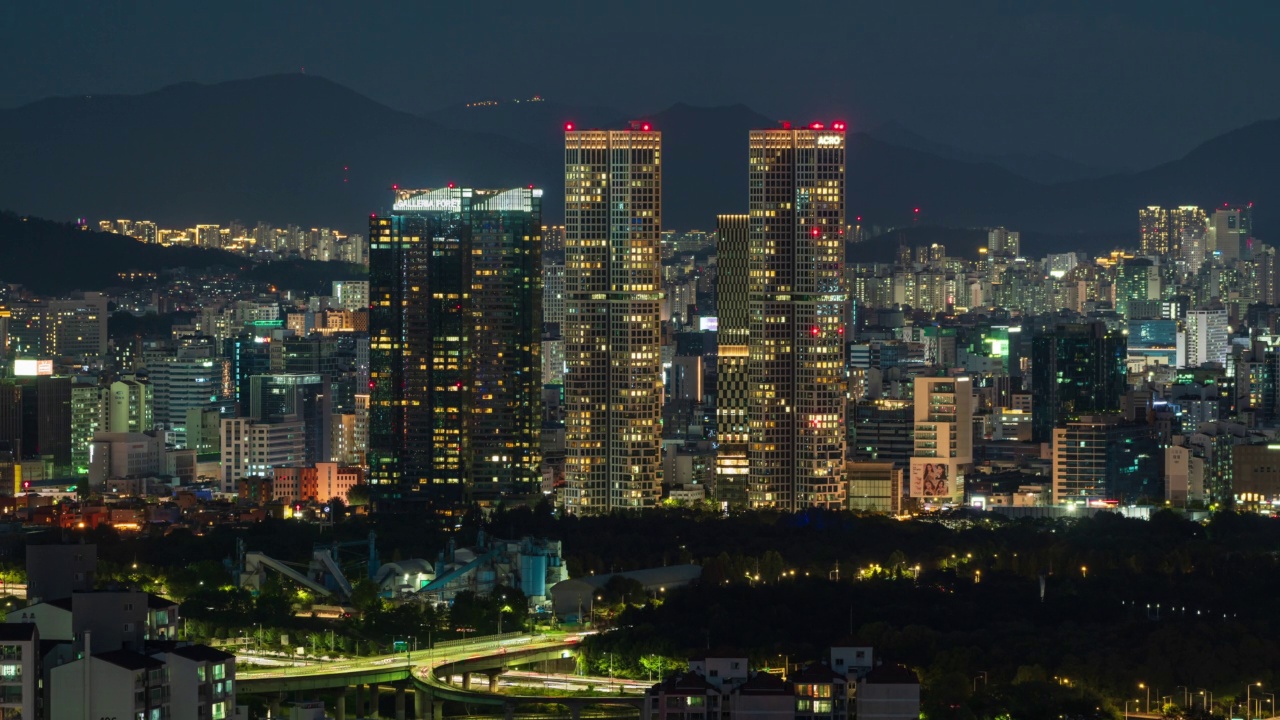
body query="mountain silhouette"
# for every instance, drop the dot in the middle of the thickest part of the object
(301, 149)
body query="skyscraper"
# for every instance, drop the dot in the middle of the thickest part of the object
(797, 304)
(733, 302)
(1230, 230)
(455, 323)
(1077, 369)
(612, 334)
(1153, 223)
(1184, 221)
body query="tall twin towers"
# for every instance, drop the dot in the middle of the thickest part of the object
(455, 322)
(782, 309)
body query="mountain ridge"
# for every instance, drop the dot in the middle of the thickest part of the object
(306, 150)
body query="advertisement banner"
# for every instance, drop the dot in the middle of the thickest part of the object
(934, 478)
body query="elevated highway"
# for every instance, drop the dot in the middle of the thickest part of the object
(428, 674)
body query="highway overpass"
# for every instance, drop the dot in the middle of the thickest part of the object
(427, 674)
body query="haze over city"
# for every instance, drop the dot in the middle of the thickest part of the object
(649, 361)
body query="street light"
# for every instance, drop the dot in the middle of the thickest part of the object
(981, 674)
(1135, 701)
(1248, 699)
(1142, 686)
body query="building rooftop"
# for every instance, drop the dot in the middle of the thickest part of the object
(683, 683)
(129, 660)
(892, 675)
(816, 673)
(202, 653)
(764, 684)
(17, 632)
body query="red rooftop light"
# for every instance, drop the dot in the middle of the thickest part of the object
(837, 125)
(646, 127)
(450, 186)
(786, 124)
(815, 126)
(568, 127)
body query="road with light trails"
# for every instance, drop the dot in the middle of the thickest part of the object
(418, 661)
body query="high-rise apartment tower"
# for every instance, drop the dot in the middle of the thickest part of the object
(612, 333)
(797, 299)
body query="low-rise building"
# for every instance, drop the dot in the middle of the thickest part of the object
(117, 683)
(202, 682)
(19, 670)
(889, 692)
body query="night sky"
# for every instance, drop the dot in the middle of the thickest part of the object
(1115, 84)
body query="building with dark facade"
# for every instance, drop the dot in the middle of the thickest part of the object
(455, 323)
(1077, 369)
(733, 260)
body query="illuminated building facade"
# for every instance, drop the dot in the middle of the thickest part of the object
(1153, 222)
(733, 260)
(795, 366)
(612, 330)
(455, 323)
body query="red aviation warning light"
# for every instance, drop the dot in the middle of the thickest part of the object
(816, 126)
(837, 125)
(815, 331)
(568, 127)
(646, 127)
(816, 232)
(450, 186)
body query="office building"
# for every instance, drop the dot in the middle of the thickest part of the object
(131, 405)
(1230, 233)
(1077, 369)
(874, 486)
(88, 417)
(252, 449)
(455, 355)
(612, 333)
(942, 410)
(285, 397)
(1137, 279)
(1207, 337)
(352, 295)
(732, 387)
(1101, 457)
(797, 301)
(553, 293)
(179, 384)
(881, 430)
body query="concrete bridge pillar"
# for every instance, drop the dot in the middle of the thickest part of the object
(466, 681)
(421, 701)
(340, 705)
(493, 680)
(276, 699)
(373, 701)
(575, 711)
(360, 701)
(400, 704)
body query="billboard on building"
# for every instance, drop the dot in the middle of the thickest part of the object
(934, 478)
(32, 367)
